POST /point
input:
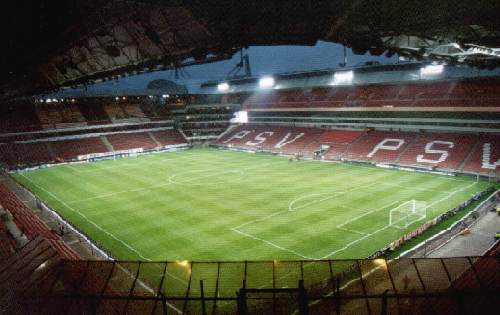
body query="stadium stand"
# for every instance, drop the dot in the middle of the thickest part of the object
(94, 113)
(168, 137)
(60, 116)
(31, 226)
(434, 94)
(19, 117)
(24, 218)
(25, 153)
(379, 146)
(485, 157)
(132, 140)
(6, 242)
(444, 151)
(69, 149)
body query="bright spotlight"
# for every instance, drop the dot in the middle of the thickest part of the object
(117, 98)
(344, 77)
(222, 87)
(183, 263)
(266, 82)
(165, 96)
(431, 69)
(380, 262)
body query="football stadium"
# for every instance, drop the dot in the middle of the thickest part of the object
(224, 157)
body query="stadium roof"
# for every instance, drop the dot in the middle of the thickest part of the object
(56, 43)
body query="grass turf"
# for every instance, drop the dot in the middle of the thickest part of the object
(208, 204)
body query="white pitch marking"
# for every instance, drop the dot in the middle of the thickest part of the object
(97, 226)
(366, 213)
(118, 192)
(387, 226)
(272, 244)
(87, 219)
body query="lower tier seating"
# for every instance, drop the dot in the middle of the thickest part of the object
(18, 154)
(469, 153)
(68, 149)
(31, 225)
(133, 140)
(168, 137)
(25, 153)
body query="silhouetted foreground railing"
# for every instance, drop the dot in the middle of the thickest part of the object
(37, 280)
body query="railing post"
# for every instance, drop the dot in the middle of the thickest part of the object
(202, 293)
(303, 299)
(337, 295)
(242, 300)
(383, 308)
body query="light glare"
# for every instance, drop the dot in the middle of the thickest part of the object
(344, 77)
(266, 82)
(431, 69)
(222, 87)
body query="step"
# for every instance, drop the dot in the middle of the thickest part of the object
(152, 136)
(107, 143)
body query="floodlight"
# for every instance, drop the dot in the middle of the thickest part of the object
(266, 82)
(431, 69)
(343, 77)
(222, 87)
(117, 98)
(165, 96)
(240, 117)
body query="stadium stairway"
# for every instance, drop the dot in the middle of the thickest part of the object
(154, 138)
(469, 155)
(107, 143)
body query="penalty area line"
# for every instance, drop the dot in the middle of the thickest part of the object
(271, 244)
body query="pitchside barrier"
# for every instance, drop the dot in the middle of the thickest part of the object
(113, 155)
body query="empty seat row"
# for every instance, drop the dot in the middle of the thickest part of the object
(441, 94)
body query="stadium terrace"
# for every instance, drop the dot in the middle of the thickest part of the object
(253, 158)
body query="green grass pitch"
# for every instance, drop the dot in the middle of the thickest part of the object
(209, 204)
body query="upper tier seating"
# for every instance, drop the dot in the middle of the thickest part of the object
(441, 94)
(443, 151)
(125, 112)
(94, 113)
(18, 117)
(57, 116)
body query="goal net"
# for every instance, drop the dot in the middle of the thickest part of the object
(407, 213)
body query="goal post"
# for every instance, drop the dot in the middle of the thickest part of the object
(407, 213)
